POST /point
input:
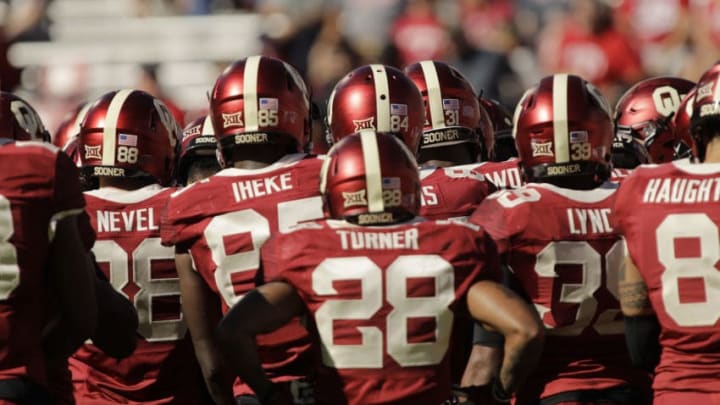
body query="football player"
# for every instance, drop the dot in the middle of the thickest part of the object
(198, 152)
(260, 114)
(451, 142)
(376, 97)
(381, 286)
(564, 255)
(644, 122)
(502, 168)
(669, 216)
(128, 141)
(44, 262)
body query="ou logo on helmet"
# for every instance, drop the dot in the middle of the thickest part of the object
(26, 117)
(666, 100)
(168, 121)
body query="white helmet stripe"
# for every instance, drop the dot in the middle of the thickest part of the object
(382, 97)
(560, 118)
(110, 131)
(76, 124)
(207, 128)
(373, 176)
(250, 98)
(437, 117)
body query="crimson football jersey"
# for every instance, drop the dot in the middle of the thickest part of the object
(163, 368)
(504, 174)
(225, 219)
(617, 175)
(383, 301)
(565, 256)
(669, 215)
(38, 186)
(452, 192)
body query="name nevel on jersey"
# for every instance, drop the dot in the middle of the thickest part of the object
(140, 220)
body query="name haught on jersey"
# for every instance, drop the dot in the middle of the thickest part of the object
(242, 190)
(407, 239)
(682, 191)
(142, 220)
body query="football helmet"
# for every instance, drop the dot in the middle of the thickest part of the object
(69, 128)
(19, 120)
(643, 121)
(129, 133)
(681, 126)
(260, 100)
(198, 141)
(705, 117)
(370, 178)
(452, 111)
(563, 132)
(379, 98)
(503, 145)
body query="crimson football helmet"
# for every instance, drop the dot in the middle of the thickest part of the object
(452, 112)
(705, 117)
(643, 121)
(503, 145)
(370, 178)
(260, 100)
(19, 121)
(129, 133)
(198, 141)
(69, 127)
(379, 98)
(563, 132)
(681, 126)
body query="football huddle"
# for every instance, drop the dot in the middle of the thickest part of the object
(427, 248)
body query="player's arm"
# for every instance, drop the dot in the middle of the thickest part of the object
(71, 274)
(485, 357)
(498, 308)
(263, 310)
(202, 313)
(116, 330)
(642, 330)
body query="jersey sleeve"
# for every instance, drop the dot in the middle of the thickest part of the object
(67, 194)
(173, 225)
(68, 199)
(623, 202)
(501, 220)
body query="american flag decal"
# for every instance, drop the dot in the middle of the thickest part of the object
(451, 104)
(268, 104)
(398, 109)
(127, 139)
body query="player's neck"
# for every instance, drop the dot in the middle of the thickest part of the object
(251, 164)
(125, 183)
(712, 151)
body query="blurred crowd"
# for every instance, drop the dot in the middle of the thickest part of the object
(502, 46)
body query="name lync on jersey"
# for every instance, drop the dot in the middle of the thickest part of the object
(253, 188)
(682, 191)
(140, 220)
(582, 221)
(351, 240)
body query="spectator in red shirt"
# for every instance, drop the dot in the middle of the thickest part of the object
(587, 44)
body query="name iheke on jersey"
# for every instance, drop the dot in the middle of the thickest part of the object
(682, 191)
(244, 189)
